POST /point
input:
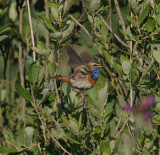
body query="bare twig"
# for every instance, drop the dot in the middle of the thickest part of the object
(81, 26)
(113, 45)
(120, 15)
(5, 81)
(119, 121)
(55, 73)
(122, 128)
(116, 36)
(47, 39)
(21, 63)
(31, 28)
(88, 120)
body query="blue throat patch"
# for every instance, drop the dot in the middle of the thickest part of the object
(95, 73)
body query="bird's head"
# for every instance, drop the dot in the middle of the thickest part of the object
(93, 65)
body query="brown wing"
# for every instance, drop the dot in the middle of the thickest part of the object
(74, 58)
(87, 57)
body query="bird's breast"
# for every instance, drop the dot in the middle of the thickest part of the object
(83, 83)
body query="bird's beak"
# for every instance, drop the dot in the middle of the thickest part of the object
(100, 66)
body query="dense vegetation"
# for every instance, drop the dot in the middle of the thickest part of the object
(43, 116)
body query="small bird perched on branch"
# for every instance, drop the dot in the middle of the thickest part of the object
(86, 71)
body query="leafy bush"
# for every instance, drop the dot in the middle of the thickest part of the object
(119, 115)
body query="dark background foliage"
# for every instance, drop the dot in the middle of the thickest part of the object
(43, 116)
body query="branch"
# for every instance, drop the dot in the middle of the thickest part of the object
(115, 35)
(81, 26)
(47, 39)
(31, 28)
(21, 64)
(84, 99)
(120, 15)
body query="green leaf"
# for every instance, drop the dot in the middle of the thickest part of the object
(131, 20)
(144, 14)
(68, 4)
(56, 35)
(126, 67)
(158, 8)
(103, 95)
(158, 19)
(74, 127)
(150, 24)
(7, 150)
(34, 71)
(48, 24)
(68, 28)
(9, 137)
(97, 129)
(109, 58)
(90, 19)
(23, 92)
(156, 55)
(71, 139)
(29, 135)
(1, 11)
(2, 37)
(134, 6)
(54, 11)
(105, 147)
(94, 5)
(118, 68)
(42, 96)
(41, 45)
(37, 50)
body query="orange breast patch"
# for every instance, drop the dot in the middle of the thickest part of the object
(91, 80)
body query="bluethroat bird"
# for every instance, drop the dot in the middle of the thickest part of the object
(86, 70)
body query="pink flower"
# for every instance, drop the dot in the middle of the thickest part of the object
(144, 107)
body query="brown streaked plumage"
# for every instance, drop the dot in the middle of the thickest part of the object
(86, 70)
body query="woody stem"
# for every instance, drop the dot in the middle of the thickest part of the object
(84, 99)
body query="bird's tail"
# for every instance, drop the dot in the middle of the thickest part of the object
(64, 78)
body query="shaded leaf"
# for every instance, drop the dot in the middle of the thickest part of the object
(131, 20)
(150, 24)
(33, 73)
(23, 92)
(144, 14)
(72, 140)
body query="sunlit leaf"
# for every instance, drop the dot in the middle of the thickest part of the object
(2, 37)
(105, 147)
(126, 67)
(29, 135)
(69, 28)
(103, 95)
(94, 5)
